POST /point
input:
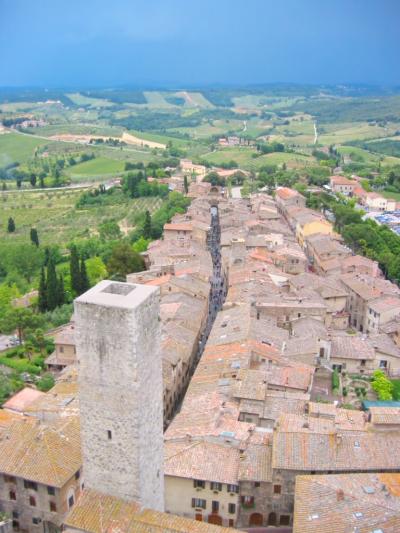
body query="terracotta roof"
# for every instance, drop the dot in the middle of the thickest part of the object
(22, 399)
(48, 454)
(345, 503)
(66, 335)
(385, 415)
(255, 462)
(178, 227)
(99, 513)
(285, 193)
(352, 347)
(202, 460)
(308, 443)
(385, 303)
(342, 180)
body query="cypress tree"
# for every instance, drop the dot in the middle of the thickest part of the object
(84, 278)
(147, 225)
(75, 270)
(34, 236)
(11, 225)
(60, 291)
(185, 184)
(42, 299)
(46, 255)
(52, 285)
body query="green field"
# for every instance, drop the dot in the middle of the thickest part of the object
(243, 156)
(156, 99)
(394, 195)
(180, 143)
(96, 167)
(54, 215)
(15, 147)
(77, 128)
(80, 99)
(365, 156)
(194, 99)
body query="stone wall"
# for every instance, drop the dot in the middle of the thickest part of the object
(121, 392)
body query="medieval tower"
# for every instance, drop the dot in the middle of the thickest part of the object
(121, 391)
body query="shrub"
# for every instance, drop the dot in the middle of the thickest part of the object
(344, 391)
(382, 385)
(45, 383)
(21, 365)
(335, 380)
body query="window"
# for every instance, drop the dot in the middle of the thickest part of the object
(15, 514)
(277, 489)
(363, 361)
(15, 524)
(199, 503)
(61, 349)
(257, 484)
(383, 364)
(199, 484)
(70, 501)
(12, 495)
(215, 506)
(77, 474)
(109, 434)
(36, 520)
(30, 485)
(215, 486)
(284, 520)
(233, 488)
(9, 479)
(232, 508)
(51, 491)
(53, 507)
(32, 501)
(248, 501)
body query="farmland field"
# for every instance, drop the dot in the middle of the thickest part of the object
(15, 147)
(156, 99)
(243, 156)
(158, 138)
(80, 99)
(54, 215)
(99, 166)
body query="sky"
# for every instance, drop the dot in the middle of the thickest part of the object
(156, 43)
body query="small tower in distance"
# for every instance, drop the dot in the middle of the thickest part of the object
(121, 391)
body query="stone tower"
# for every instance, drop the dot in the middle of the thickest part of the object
(121, 391)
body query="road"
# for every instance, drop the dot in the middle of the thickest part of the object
(236, 192)
(315, 133)
(5, 342)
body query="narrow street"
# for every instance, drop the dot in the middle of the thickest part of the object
(218, 288)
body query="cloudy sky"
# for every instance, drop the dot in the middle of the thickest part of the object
(56, 43)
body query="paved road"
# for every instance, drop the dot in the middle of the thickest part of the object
(236, 192)
(5, 342)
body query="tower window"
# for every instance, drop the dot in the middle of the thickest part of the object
(109, 434)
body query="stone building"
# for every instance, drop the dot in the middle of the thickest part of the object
(118, 344)
(40, 467)
(64, 349)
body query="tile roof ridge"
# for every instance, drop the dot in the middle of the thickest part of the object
(184, 449)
